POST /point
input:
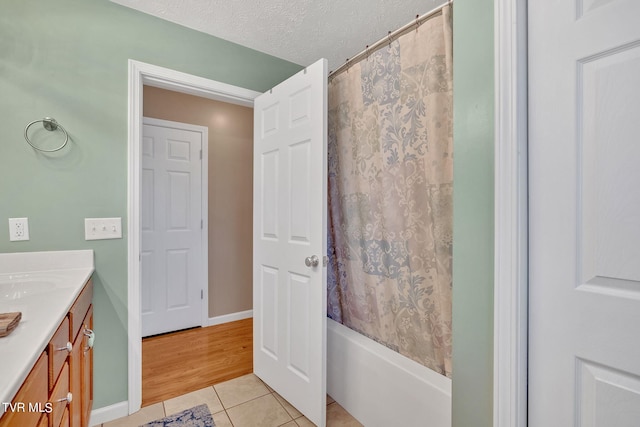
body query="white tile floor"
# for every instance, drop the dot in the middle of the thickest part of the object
(242, 402)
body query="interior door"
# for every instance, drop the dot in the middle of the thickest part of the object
(290, 234)
(584, 74)
(171, 221)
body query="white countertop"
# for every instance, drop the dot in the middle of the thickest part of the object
(47, 285)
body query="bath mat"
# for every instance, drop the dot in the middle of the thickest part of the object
(198, 416)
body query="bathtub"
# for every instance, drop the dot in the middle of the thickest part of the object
(379, 387)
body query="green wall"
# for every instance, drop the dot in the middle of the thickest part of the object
(473, 103)
(68, 59)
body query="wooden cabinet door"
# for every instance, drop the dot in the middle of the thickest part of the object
(44, 421)
(87, 369)
(75, 363)
(58, 352)
(34, 391)
(66, 419)
(59, 397)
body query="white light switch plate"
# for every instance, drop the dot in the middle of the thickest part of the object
(102, 228)
(18, 229)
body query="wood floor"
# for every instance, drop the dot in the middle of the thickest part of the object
(180, 362)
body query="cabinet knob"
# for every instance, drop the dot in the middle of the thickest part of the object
(68, 347)
(67, 399)
(91, 336)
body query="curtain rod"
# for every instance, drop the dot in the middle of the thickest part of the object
(393, 35)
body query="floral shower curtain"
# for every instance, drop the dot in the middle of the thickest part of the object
(390, 195)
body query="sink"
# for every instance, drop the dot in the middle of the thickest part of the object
(22, 286)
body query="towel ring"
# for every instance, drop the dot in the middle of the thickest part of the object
(51, 125)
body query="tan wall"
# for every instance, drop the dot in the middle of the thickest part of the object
(230, 190)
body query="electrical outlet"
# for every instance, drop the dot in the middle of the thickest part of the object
(102, 228)
(18, 229)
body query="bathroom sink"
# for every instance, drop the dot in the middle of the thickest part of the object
(21, 286)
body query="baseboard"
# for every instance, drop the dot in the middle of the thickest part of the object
(109, 413)
(232, 317)
(379, 387)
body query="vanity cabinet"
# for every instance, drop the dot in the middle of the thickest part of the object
(58, 392)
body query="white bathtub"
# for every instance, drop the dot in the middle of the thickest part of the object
(379, 387)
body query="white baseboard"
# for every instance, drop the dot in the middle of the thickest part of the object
(109, 413)
(380, 387)
(232, 317)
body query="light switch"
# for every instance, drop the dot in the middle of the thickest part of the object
(102, 228)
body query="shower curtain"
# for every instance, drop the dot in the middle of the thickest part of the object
(390, 195)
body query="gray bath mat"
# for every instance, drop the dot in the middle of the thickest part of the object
(198, 416)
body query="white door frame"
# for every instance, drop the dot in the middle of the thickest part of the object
(510, 216)
(204, 198)
(141, 74)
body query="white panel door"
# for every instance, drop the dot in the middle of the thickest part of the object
(171, 226)
(290, 208)
(584, 71)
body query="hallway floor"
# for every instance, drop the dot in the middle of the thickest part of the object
(242, 402)
(180, 362)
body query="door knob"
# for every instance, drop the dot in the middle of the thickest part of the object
(312, 261)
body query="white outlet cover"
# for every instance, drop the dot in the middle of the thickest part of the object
(102, 228)
(18, 229)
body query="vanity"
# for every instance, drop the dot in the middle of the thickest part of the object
(46, 369)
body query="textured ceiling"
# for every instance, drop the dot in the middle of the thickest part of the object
(300, 31)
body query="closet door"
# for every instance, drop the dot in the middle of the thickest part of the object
(290, 235)
(172, 234)
(584, 71)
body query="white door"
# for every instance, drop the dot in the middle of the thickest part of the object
(171, 258)
(290, 225)
(584, 71)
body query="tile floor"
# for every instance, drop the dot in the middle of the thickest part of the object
(242, 402)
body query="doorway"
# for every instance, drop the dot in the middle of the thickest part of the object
(222, 286)
(141, 74)
(227, 202)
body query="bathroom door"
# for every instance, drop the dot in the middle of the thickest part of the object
(584, 314)
(171, 258)
(290, 235)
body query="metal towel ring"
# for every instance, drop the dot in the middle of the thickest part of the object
(49, 124)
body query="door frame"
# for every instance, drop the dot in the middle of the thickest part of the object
(204, 205)
(140, 74)
(510, 318)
